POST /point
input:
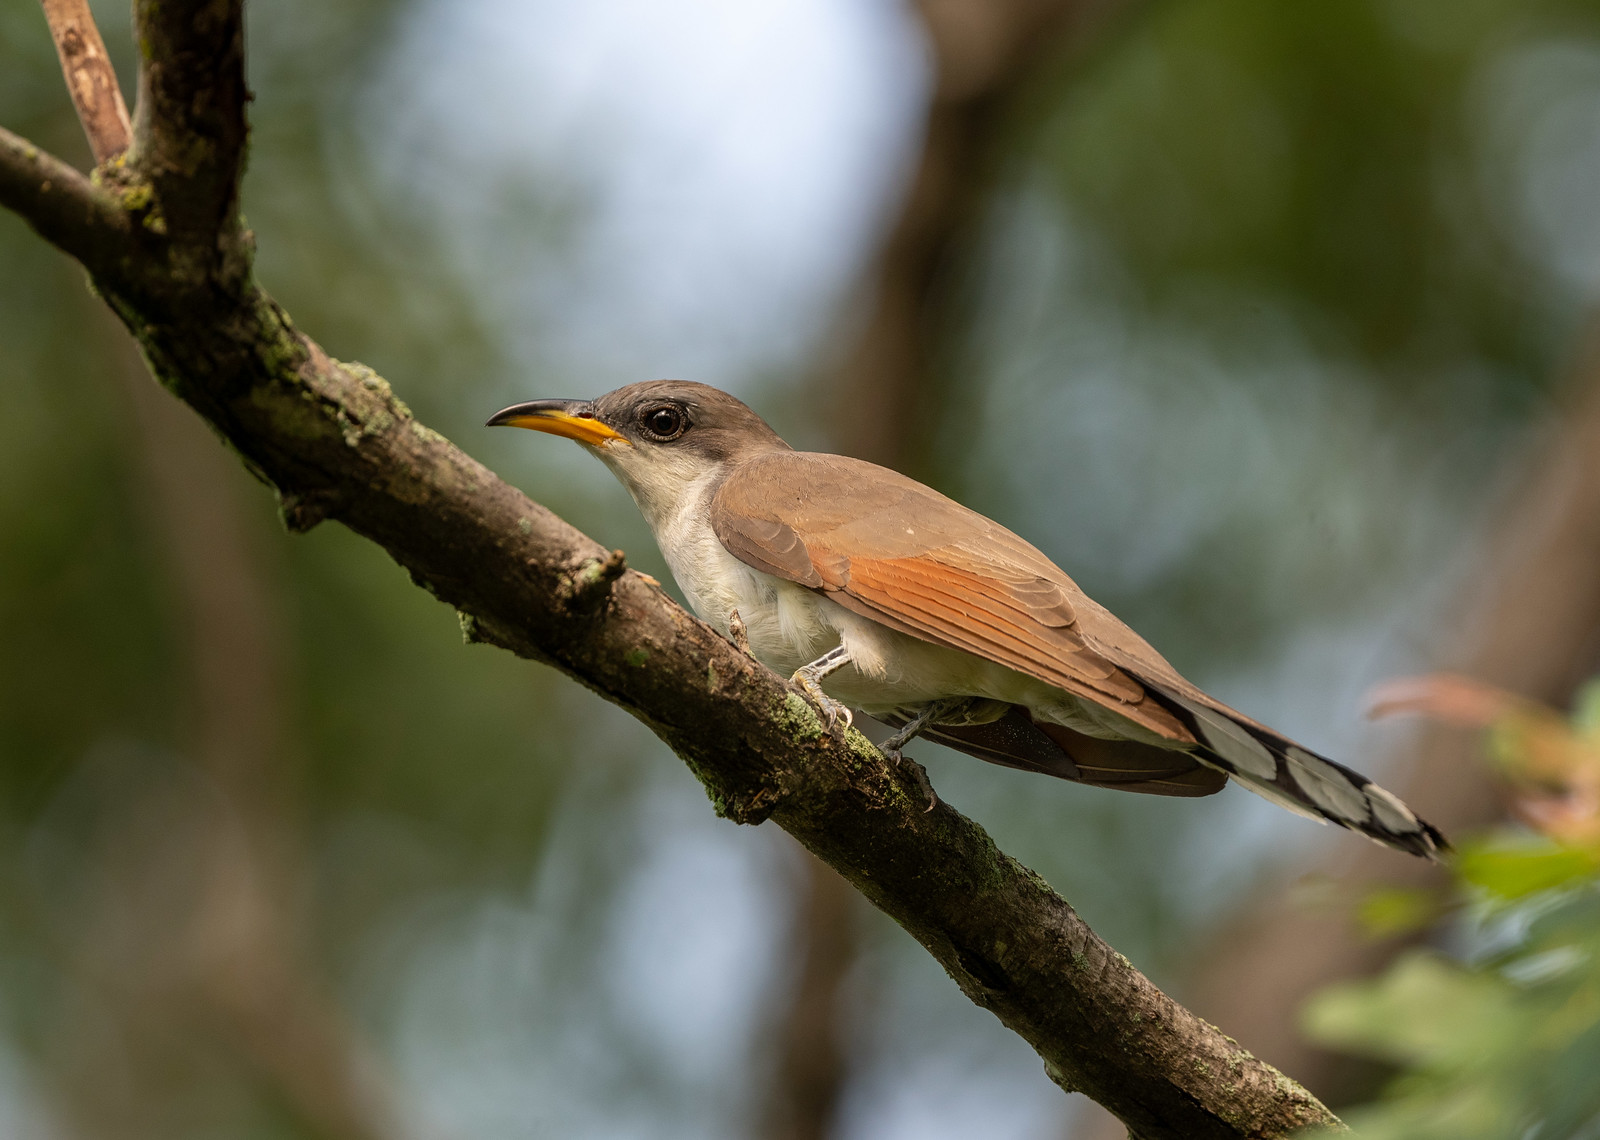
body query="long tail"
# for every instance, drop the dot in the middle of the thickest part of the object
(1303, 782)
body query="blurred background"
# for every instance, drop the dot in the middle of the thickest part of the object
(1273, 324)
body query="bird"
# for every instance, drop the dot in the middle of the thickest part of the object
(875, 593)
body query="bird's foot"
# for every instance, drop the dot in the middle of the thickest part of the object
(836, 715)
(809, 678)
(918, 774)
(739, 635)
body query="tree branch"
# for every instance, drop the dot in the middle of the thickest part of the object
(335, 442)
(338, 444)
(62, 206)
(189, 132)
(90, 78)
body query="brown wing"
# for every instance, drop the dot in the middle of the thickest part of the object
(900, 553)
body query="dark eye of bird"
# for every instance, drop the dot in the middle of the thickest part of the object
(664, 423)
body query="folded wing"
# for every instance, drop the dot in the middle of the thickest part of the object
(893, 550)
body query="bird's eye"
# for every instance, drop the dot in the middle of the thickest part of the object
(663, 422)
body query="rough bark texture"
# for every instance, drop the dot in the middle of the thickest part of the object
(335, 442)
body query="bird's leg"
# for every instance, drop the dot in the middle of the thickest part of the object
(891, 748)
(908, 732)
(810, 678)
(738, 634)
(930, 713)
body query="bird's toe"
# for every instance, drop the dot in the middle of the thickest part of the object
(918, 774)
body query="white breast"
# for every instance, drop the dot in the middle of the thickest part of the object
(786, 622)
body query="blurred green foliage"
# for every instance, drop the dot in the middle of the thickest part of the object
(1331, 157)
(1500, 1041)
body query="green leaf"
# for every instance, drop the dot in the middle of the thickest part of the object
(1586, 711)
(1519, 868)
(1426, 1011)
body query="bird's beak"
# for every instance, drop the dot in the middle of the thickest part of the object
(574, 419)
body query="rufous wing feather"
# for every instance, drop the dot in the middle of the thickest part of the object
(887, 547)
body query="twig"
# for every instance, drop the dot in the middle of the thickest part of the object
(738, 634)
(590, 584)
(90, 78)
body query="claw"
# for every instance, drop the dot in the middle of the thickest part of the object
(918, 774)
(809, 679)
(832, 711)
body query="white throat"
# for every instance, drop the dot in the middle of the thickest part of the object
(664, 484)
(673, 492)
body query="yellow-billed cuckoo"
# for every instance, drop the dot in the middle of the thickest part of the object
(919, 612)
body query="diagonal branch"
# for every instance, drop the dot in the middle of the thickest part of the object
(338, 444)
(335, 442)
(90, 78)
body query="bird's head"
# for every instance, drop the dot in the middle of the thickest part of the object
(660, 437)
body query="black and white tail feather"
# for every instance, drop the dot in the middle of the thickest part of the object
(1303, 782)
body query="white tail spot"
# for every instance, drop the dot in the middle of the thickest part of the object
(1390, 812)
(1328, 787)
(1234, 744)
